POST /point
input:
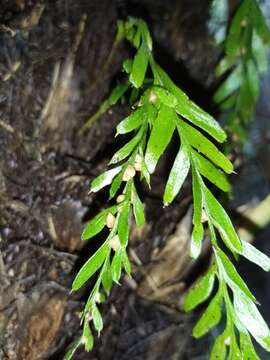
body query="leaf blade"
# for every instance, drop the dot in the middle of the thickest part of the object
(209, 171)
(250, 317)
(177, 175)
(231, 276)
(123, 226)
(138, 208)
(196, 241)
(116, 266)
(221, 221)
(95, 225)
(139, 66)
(187, 108)
(97, 318)
(160, 137)
(104, 179)
(200, 291)
(126, 150)
(203, 145)
(90, 267)
(210, 318)
(131, 122)
(251, 253)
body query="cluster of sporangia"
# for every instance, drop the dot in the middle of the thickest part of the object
(128, 174)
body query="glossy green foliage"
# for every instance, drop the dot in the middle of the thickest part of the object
(161, 111)
(177, 175)
(200, 291)
(90, 267)
(245, 58)
(160, 136)
(210, 318)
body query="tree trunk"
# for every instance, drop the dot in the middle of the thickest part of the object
(58, 61)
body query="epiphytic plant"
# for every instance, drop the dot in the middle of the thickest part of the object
(246, 47)
(160, 109)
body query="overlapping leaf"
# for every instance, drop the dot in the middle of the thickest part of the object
(200, 292)
(177, 175)
(160, 137)
(90, 267)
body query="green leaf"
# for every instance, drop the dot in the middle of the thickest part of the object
(165, 96)
(210, 318)
(197, 197)
(247, 348)
(203, 120)
(116, 266)
(107, 275)
(196, 241)
(151, 113)
(221, 221)
(200, 291)
(115, 186)
(126, 262)
(231, 276)
(228, 103)
(160, 137)
(219, 350)
(208, 170)
(126, 150)
(259, 51)
(94, 226)
(240, 15)
(177, 175)
(250, 317)
(87, 336)
(232, 46)
(123, 225)
(132, 122)
(234, 352)
(246, 101)
(97, 319)
(134, 96)
(117, 93)
(90, 267)
(233, 40)
(259, 22)
(127, 65)
(75, 345)
(253, 79)
(254, 255)
(137, 39)
(139, 66)
(203, 145)
(145, 174)
(104, 179)
(231, 84)
(224, 65)
(130, 33)
(187, 108)
(120, 30)
(138, 208)
(145, 34)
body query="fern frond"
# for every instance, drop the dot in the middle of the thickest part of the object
(161, 109)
